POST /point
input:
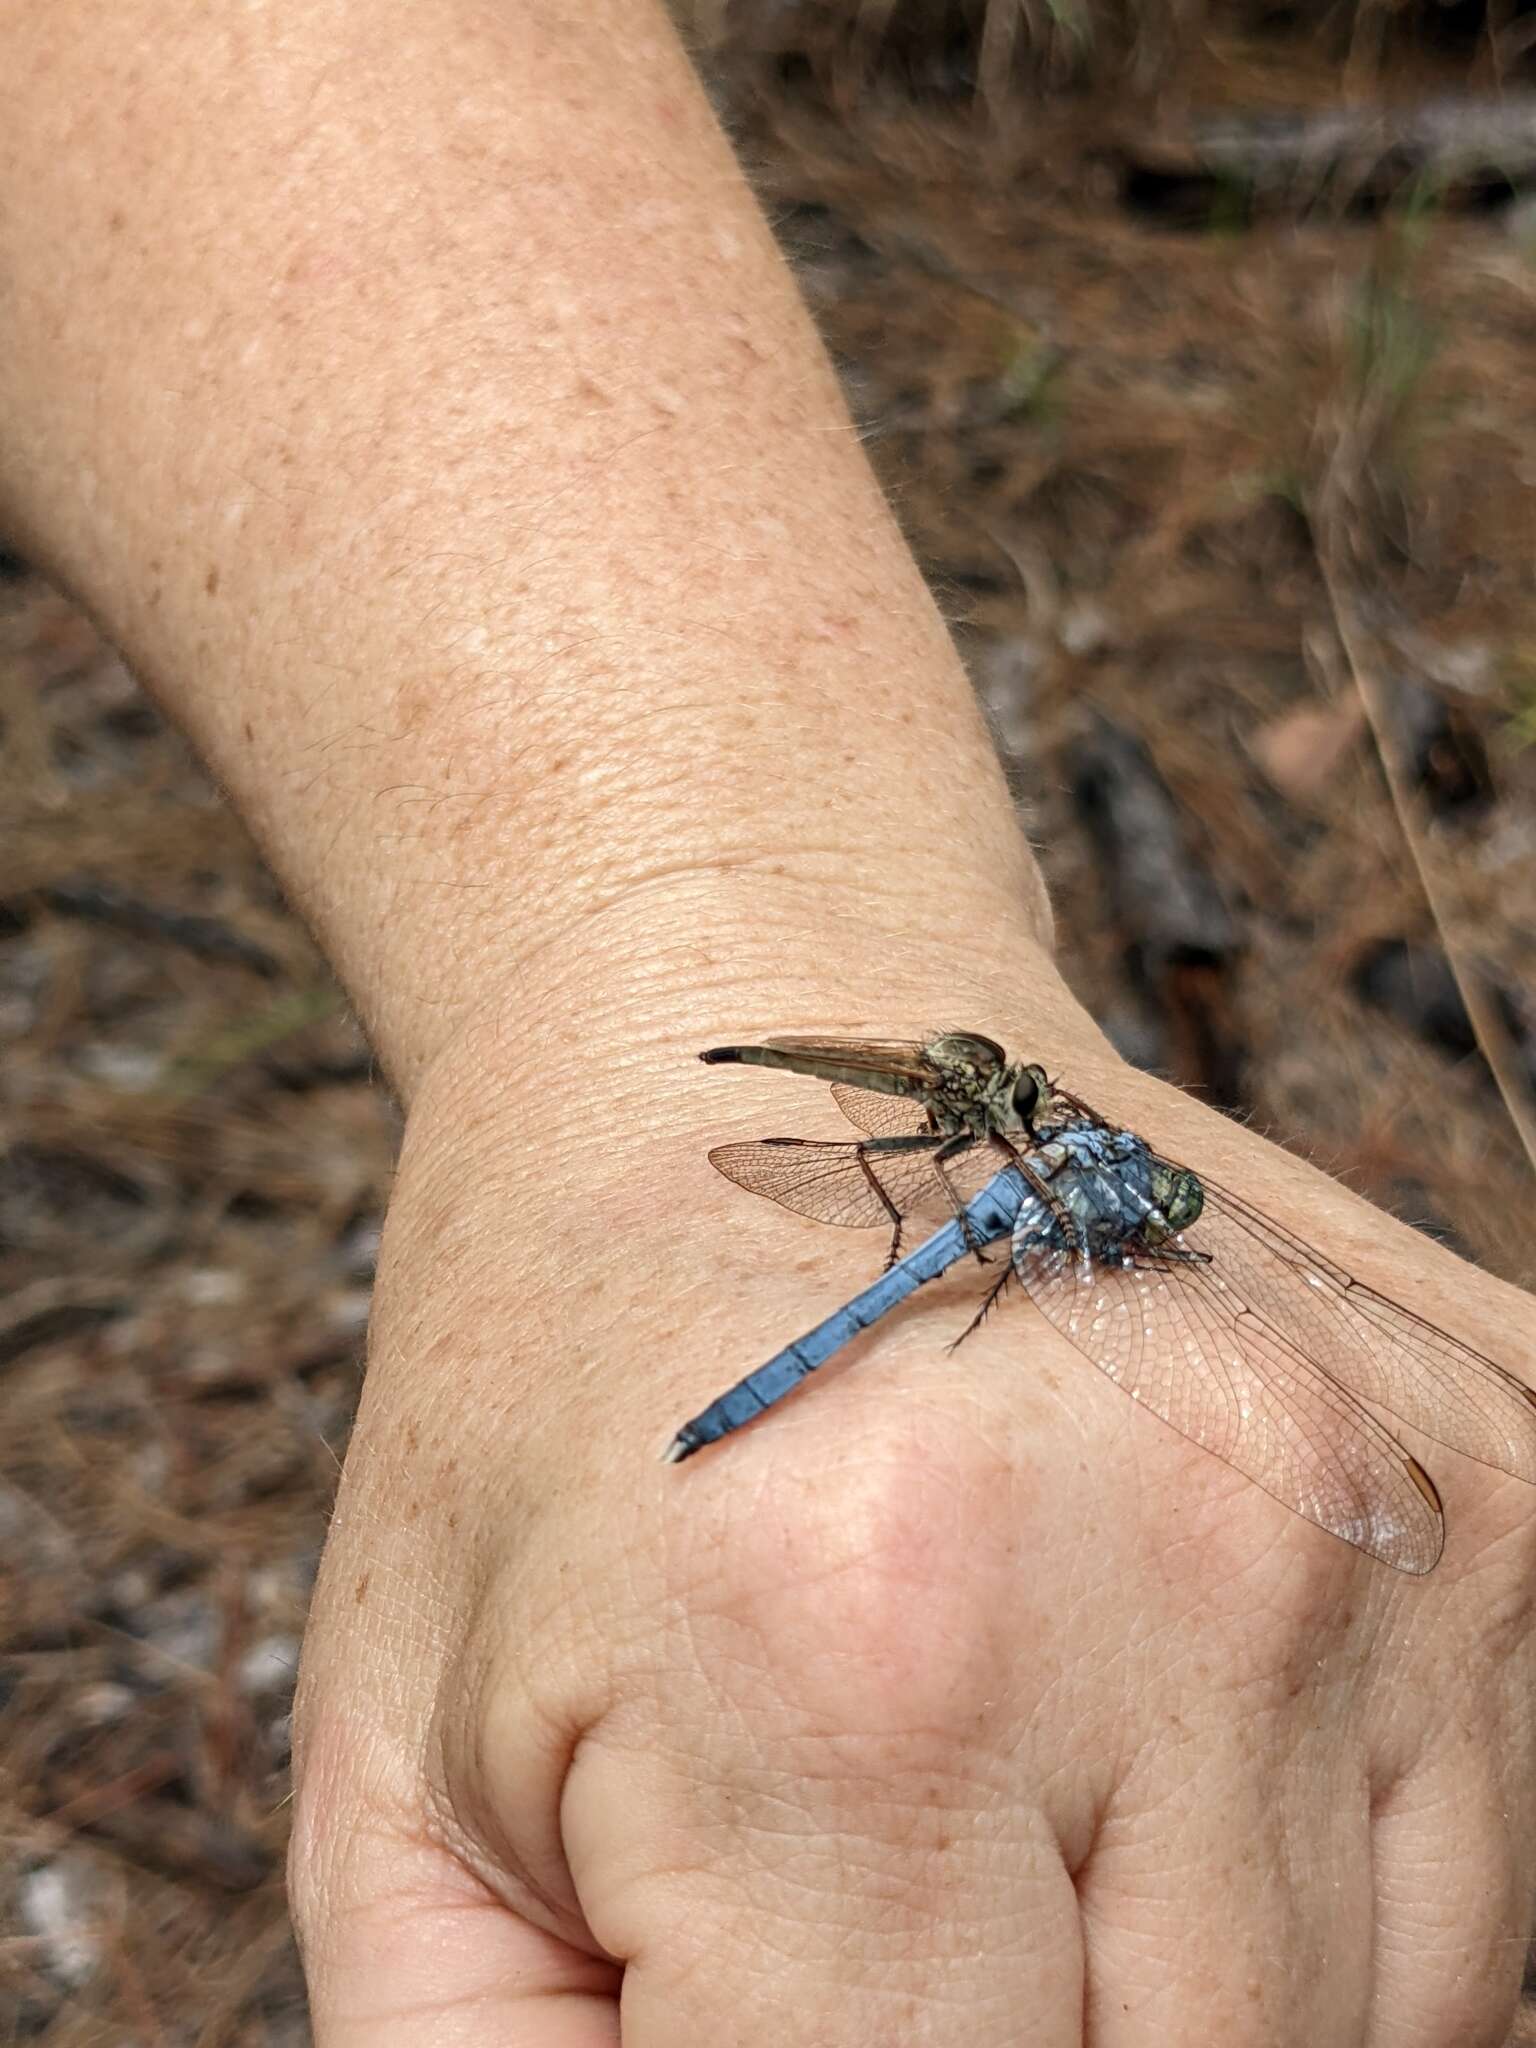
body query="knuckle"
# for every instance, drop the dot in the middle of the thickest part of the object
(875, 1594)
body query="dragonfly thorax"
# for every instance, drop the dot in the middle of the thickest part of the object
(1158, 1199)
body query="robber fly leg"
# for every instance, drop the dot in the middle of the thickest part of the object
(890, 1208)
(1040, 1184)
(954, 1148)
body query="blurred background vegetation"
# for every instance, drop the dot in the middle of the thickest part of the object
(1195, 341)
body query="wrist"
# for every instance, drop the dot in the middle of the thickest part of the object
(603, 1016)
(675, 889)
(555, 1216)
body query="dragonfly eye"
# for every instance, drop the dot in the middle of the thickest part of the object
(1026, 1095)
(1179, 1195)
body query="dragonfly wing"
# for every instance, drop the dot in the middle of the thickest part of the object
(842, 1183)
(1383, 1352)
(1195, 1354)
(883, 1116)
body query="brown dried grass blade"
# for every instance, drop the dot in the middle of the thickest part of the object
(1488, 1026)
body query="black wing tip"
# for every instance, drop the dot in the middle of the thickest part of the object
(1420, 1568)
(1425, 1484)
(719, 1055)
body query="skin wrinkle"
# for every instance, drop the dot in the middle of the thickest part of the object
(856, 913)
(830, 1898)
(461, 1776)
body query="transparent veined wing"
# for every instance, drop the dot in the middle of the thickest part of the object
(875, 1055)
(883, 1116)
(837, 1182)
(1383, 1352)
(1197, 1356)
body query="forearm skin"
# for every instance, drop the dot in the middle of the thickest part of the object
(448, 448)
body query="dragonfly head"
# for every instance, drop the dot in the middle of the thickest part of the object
(1178, 1193)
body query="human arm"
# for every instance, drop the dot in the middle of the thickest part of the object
(417, 397)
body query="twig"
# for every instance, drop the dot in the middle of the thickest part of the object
(1487, 1025)
(207, 938)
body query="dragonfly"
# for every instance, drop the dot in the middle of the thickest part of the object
(1214, 1317)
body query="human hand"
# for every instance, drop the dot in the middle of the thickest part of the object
(957, 1703)
(960, 1700)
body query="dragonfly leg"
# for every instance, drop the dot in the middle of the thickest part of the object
(1066, 1224)
(994, 1295)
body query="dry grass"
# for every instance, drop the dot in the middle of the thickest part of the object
(1128, 451)
(194, 1167)
(1110, 443)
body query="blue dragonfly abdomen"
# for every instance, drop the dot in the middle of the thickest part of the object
(990, 1215)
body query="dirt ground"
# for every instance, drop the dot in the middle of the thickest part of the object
(1197, 347)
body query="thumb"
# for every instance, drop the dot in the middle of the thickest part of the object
(404, 1946)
